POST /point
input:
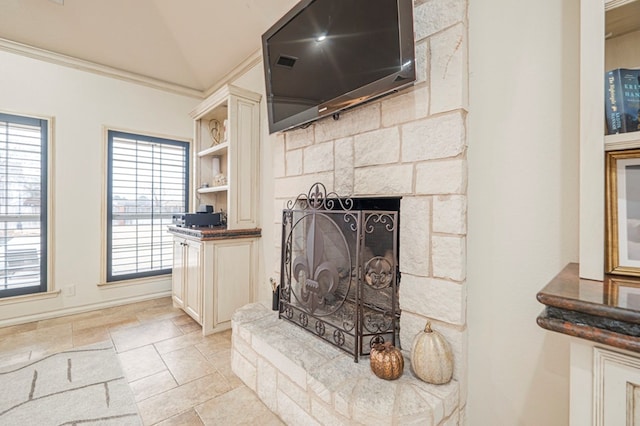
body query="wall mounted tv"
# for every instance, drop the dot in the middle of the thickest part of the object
(324, 56)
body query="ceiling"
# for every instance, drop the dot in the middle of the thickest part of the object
(190, 43)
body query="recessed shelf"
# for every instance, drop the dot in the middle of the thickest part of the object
(219, 149)
(212, 189)
(629, 140)
(621, 17)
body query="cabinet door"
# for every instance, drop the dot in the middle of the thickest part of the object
(193, 281)
(177, 275)
(616, 388)
(234, 276)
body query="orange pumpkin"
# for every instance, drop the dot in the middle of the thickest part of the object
(386, 361)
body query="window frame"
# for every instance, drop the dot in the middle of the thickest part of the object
(110, 135)
(44, 125)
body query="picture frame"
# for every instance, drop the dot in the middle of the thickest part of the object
(623, 212)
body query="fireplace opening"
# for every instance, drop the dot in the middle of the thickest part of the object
(339, 270)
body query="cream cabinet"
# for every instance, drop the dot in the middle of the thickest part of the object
(187, 276)
(605, 385)
(616, 388)
(226, 161)
(230, 276)
(214, 269)
(177, 273)
(214, 277)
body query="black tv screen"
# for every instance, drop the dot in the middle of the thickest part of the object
(324, 56)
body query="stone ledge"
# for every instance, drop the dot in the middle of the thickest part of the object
(304, 380)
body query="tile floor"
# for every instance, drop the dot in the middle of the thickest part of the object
(178, 377)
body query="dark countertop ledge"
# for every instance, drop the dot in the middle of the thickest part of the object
(605, 311)
(215, 233)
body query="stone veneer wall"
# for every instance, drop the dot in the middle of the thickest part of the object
(411, 144)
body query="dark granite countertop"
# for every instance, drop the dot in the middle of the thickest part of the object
(215, 233)
(605, 311)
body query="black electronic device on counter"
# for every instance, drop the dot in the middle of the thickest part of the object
(198, 220)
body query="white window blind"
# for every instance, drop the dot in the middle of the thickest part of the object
(23, 201)
(148, 184)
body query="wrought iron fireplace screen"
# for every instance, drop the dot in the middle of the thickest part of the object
(340, 275)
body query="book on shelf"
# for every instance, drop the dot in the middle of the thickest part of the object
(622, 100)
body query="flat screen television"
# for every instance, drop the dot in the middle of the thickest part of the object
(324, 56)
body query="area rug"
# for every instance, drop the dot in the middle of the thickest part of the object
(83, 386)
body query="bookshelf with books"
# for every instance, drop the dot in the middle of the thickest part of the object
(622, 74)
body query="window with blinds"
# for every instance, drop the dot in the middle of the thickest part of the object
(23, 205)
(148, 181)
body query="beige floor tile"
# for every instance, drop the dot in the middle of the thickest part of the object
(112, 321)
(159, 312)
(222, 363)
(152, 385)
(42, 339)
(144, 334)
(68, 319)
(138, 306)
(89, 336)
(179, 342)
(187, 364)
(182, 398)
(237, 407)
(214, 343)
(183, 320)
(141, 362)
(190, 328)
(188, 418)
(17, 329)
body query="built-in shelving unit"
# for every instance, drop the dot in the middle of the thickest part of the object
(609, 36)
(622, 35)
(215, 269)
(619, 22)
(226, 163)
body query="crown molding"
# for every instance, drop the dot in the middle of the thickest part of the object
(251, 61)
(80, 64)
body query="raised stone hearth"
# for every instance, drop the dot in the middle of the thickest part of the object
(305, 381)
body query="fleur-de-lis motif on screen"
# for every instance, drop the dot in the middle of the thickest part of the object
(316, 276)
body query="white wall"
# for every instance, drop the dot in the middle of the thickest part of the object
(81, 104)
(523, 204)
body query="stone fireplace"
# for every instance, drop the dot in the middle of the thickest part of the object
(412, 145)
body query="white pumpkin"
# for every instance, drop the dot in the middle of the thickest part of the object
(431, 357)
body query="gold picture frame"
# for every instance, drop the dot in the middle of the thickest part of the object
(623, 212)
